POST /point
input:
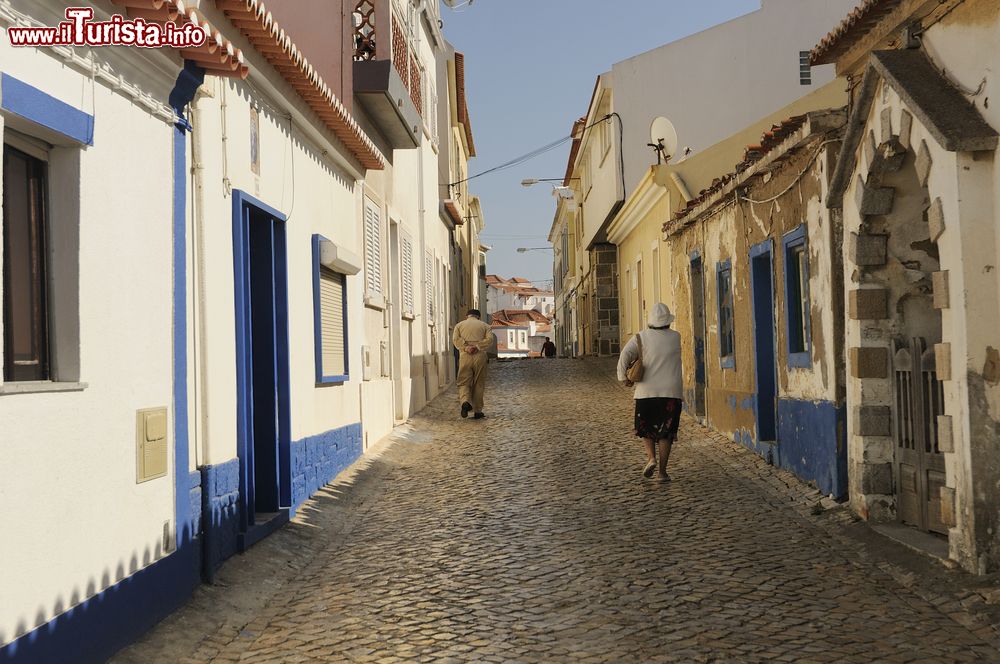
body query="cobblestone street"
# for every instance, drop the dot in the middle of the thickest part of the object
(531, 536)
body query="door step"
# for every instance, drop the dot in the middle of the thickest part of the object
(264, 525)
(934, 546)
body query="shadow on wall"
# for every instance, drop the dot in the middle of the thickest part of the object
(426, 372)
(93, 624)
(287, 129)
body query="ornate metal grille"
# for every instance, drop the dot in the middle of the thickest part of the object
(415, 83)
(400, 51)
(364, 34)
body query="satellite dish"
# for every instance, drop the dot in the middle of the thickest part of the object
(663, 139)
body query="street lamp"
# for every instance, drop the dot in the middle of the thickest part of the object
(530, 182)
(522, 250)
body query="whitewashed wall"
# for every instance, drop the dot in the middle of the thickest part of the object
(76, 521)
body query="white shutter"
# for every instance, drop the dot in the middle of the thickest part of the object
(373, 249)
(429, 286)
(331, 307)
(407, 260)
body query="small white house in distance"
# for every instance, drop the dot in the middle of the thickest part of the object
(520, 333)
(517, 293)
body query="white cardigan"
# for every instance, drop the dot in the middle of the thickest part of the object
(661, 361)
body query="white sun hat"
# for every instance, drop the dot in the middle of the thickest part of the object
(660, 316)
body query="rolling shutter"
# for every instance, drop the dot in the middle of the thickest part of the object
(373, 249)
(331, 307)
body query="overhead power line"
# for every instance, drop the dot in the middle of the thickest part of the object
(517, 161)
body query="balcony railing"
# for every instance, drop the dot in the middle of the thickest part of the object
(371, 18)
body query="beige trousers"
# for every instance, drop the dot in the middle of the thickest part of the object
(472, 379)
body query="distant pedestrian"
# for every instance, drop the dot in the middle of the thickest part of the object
(472, 338)
(658, 394)
(548, 348)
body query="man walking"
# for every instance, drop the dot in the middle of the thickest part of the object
(472, 338)
(548, 348)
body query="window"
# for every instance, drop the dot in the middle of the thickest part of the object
(511, 340)
(330, 320)
(797, 298)
(585, 174)
(805, 71)
(25, 296)
(724, 285)
(407, 269)
(373, 249)
(523, 339)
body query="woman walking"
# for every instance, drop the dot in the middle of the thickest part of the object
(658, 393)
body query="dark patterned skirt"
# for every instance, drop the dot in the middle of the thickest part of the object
(657, 418)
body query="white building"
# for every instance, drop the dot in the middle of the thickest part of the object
(225, 263)
(517, 293)
(707, 85)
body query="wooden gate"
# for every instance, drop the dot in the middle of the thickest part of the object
(918, 465)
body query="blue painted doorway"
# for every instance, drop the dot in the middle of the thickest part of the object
(263, 423)
(765, 354)
(698, 331)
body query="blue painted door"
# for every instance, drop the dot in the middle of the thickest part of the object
(263, 363)
(765, 363)
(698, 324)
(263, 423)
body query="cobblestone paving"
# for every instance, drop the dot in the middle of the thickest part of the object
(531, 536)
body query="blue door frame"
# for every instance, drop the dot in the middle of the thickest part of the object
(262, 372)
(765, 353)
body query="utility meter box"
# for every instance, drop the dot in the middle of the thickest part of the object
(151, 444)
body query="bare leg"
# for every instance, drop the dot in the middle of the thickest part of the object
(650, 450)
(665, 447)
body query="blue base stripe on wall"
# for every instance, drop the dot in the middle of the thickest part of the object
(318, 459)
(812, 443)
(95, 629)
(220, 510)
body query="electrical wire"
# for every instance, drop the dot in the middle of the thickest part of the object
(791, 186)
(517, 161)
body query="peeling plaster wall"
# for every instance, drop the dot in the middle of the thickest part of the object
(810, 422)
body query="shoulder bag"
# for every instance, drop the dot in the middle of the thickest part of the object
(634, 371)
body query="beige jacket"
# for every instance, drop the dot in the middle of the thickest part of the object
(472, 332)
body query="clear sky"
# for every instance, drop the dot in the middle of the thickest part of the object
(530, 68)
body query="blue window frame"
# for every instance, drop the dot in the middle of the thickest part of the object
(797, 324)
(329, 320)
(727, 335)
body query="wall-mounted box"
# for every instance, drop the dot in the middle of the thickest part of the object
(150, 444)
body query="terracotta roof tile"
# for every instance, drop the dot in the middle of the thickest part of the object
(463, 105)
(851, 29)
(753, 153)
(221, 58)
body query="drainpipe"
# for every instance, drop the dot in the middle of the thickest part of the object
(201, 357)
(185, 530)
